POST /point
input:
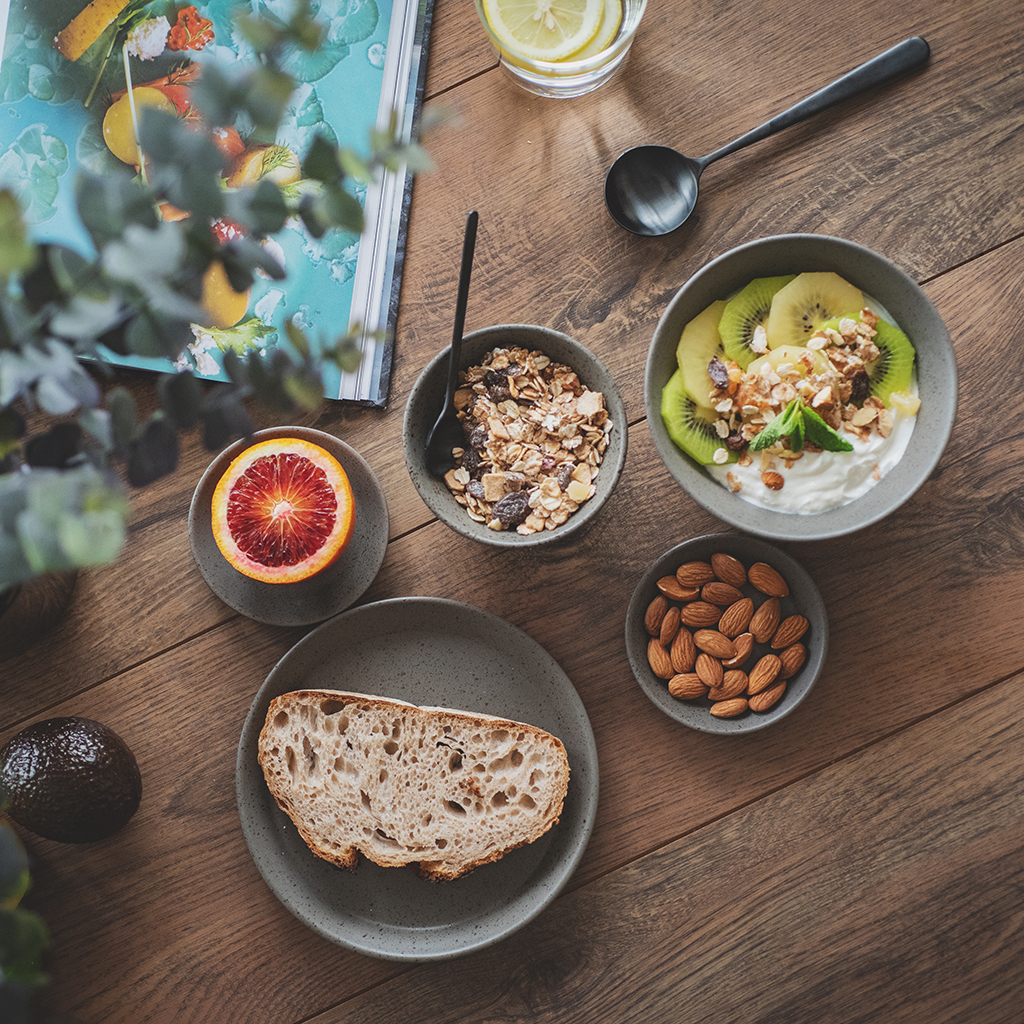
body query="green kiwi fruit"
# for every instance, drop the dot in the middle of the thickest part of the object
(893, 370)
(748, 309)
(699, 343)
(802, 307)
(690, 426)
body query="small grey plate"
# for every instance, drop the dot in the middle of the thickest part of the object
(804, 599)
(328, 592)
(426, 651)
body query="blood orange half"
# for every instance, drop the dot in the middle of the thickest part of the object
(283, 510)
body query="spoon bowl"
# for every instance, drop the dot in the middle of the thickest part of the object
(651, 190)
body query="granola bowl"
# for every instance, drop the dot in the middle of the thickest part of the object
(779, 656)
(566, 453)
(885, 288)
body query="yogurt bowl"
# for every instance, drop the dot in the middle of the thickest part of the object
(916, 445)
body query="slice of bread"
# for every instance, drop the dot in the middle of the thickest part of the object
(72, 41)
(437, 788)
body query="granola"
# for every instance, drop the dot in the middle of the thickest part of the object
(535, 438)
(830, 376)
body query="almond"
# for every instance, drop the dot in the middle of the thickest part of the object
(683, 652)
(701, 615)
(687, 686)
(695, 574)
(672, 589)
(709, 669)
(733, 684)
(790, 630)
(654, 614)
(669, 626)
(767, 580)
(718, 645)
(659, 660)
(729, 708)
(728, 569)
(736, 618)
(767, 698)
(765, 620)
(792, 658)
(719, 593)
(744, 648)
(763, 674)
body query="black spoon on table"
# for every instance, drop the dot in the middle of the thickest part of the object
(446, 433)
(651, 190)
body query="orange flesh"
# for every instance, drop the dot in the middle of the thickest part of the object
(282, 510)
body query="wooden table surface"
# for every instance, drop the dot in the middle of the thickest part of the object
(863, 860)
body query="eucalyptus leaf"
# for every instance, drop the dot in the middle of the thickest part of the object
(124, 418)
(16, 252)
(154, 452)
(181, 398)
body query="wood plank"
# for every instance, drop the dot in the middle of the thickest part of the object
(888, 887)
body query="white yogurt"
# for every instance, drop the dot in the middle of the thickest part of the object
(823, 480)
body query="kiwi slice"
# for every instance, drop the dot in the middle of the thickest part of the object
(746, 310)
(802, 306)
(893, 370)
(689, 425)
(699, 343)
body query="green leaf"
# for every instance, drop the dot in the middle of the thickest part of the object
(322, 163)
(818, 432)
(776, 428)
(16, 252)
(154, 453)
(181, 398)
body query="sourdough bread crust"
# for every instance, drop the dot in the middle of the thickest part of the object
(440, 789)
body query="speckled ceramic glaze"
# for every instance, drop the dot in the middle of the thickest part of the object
(328, 592)
(427, 397)
(804, 599)
(429, 652)
(876, 277)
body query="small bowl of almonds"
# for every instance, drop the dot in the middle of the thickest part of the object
(545, 436)
(726, 633)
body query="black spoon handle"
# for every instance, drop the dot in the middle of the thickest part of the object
(468, 245)
(894, 61)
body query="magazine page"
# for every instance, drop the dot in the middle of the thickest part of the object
(370, 64)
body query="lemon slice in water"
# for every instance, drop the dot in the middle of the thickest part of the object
(606, 32)
(544, 29)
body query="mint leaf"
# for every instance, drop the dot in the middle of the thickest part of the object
(776, 428)
(818, 432)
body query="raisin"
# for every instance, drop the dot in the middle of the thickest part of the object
(736, 442)
(471, 461)
(475, 489)
(860, 387)
(496, 378)
(513, 508)
(718, 373)
(547, 464)
(564, 475)
(478, 436)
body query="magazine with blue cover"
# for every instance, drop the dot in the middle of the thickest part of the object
(370, 67)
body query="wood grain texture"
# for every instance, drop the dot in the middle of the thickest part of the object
(876, 889)
(857, 862)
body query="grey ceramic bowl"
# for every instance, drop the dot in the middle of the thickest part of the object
(803, 599)
(427, 397)
(879, 279)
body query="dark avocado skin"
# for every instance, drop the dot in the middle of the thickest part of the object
(72, 780)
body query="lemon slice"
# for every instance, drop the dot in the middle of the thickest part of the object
(606, 32)
(544, 29)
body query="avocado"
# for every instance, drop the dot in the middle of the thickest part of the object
(72, 780)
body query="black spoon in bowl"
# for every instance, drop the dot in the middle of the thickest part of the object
(651, 190)
(446, 433)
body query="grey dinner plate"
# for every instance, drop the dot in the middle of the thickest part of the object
(331, 590)
(426, 651)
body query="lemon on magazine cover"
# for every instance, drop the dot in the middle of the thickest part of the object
(544, 29)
